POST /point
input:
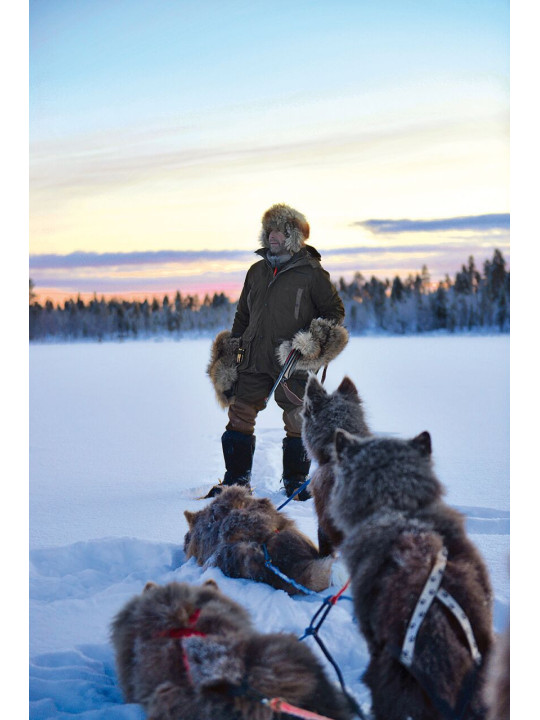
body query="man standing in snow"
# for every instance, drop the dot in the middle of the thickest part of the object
(287, 302)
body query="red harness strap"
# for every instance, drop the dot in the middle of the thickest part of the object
(279, 706)
(335, 598)
(182, 632)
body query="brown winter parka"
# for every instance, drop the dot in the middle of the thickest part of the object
(273, 307)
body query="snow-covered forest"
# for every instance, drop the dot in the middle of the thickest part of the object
(472, 300)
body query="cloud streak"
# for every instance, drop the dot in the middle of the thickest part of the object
(165, 271)
(108, 160)
(469, 223)
(81, 259)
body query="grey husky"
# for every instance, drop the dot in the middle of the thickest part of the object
(397, 530)
(323, 414)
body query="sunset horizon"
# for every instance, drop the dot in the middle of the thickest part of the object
(157, 284)
(160, 133)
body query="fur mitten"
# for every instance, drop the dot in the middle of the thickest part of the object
(324, 340)
(222, 368)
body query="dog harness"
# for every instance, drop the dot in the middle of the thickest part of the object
(177, 633)
(276, 704)
(432, 589)
(182, 632)
(277, 571)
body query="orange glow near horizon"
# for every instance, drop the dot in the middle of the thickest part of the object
(59, 297)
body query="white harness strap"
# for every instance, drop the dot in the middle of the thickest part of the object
(432, 590)
(458, 612)
(422, 606)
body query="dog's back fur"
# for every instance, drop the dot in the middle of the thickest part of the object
(221, 669)
(231, 531)
(323, 414)
(388, 502)
(274, 665)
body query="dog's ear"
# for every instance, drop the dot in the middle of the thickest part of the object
(149, 585)
(211, 583)
(315, 392)
(342, 440)
(422, 443)
(347, 387)
(190, 517)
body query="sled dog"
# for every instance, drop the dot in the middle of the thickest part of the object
(323, 414)
(233, 531)
(397, 530)
(190, 652)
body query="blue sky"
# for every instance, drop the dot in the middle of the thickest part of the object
(171, 126)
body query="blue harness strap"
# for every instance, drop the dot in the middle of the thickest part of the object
(295, 493)
(276, 571)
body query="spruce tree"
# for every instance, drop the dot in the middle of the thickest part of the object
(396, 294)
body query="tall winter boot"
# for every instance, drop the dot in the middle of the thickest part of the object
(296, 466)
(238, 449)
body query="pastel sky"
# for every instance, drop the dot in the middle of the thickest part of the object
(160, 132)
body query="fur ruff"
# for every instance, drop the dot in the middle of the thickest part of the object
(200, 677)
(222, 367)
(230, 532)
(287, 220)
(318, 346)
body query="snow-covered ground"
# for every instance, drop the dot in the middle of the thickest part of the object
(125, 436)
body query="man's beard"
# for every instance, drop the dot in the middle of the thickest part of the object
(278, 250)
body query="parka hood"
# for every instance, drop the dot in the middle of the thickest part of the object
(287, 220)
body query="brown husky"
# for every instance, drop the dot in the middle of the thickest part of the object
(236, 528)
(190, 652)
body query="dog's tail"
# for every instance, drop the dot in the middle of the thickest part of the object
(297, 558)
(316, 574)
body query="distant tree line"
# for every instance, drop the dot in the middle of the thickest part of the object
(472, 301)
(106, 319)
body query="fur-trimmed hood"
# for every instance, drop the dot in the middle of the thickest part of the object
(287, 220)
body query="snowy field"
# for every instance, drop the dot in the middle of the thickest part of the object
(125, 436)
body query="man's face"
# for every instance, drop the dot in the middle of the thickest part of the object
(276, 241)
